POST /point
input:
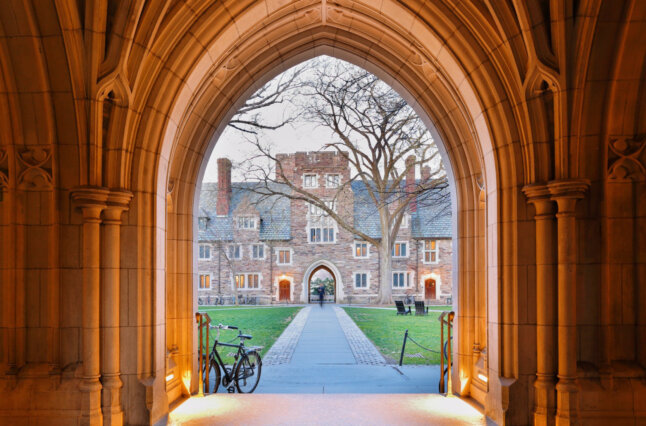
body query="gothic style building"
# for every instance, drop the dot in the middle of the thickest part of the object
(109, 110)
(270, 248)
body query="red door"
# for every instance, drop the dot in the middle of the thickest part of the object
(429, 288)
(283, 290)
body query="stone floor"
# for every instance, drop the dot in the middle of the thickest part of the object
(323, 352)
(346, 409)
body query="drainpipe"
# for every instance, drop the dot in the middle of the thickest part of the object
(271, 273)
(416, 266)
(219, 267)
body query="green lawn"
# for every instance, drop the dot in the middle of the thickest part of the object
(264, 324)
(386, 330)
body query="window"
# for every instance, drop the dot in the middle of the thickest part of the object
(405, 221)
(205, 251)
(317, 211)
(361, 249)
(205, 281)
(430, 253)
(234, 251)
(202, 223)
(240, 280)
(246, 222)
(257, 251)
(361, 280)
(310, 181)
(332, 181)
(247, 281)
(322, 234)
(284, 256)
(401, 279)
(399, 250)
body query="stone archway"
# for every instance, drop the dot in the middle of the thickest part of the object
(309, 276)
(457, 124)
(333, 270)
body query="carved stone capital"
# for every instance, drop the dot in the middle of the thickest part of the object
(539, 195)
(91, 200)
(566, 192)
(117, 202)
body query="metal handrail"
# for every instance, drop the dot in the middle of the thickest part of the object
(446, 318)
(203, 321)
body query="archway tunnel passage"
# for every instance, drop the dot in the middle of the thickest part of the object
(322, 276)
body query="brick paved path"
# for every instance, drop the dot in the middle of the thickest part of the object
(282, 350)
(362, 348)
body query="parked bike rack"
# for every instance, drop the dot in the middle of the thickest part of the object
(446, 318)
(203, 320)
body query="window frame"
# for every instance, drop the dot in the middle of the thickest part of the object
(239, 247)
(354, 249)
(277, 253)
(246, 280)
(316, 180)
(199, 281)
(409, 278)
(250, 218)
(264, 250)
(336, 184)
(199, 251)
(436, 250)
(354, 280)
(407, 247)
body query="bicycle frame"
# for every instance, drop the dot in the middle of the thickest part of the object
(228, 376)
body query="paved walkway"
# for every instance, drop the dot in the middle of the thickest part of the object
(332, 355)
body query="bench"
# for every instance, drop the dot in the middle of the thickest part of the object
(401, 309)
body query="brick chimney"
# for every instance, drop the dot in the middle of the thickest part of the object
(410, 181)
(426, 174)
(224, 187)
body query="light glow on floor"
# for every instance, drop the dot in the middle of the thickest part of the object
(326, 409)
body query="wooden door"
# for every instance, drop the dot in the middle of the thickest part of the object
(429, 289)
(283, 290)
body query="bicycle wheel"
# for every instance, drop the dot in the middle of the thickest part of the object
(214, 379)
(247, 373)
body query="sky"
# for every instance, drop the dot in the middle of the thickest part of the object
(293, 137)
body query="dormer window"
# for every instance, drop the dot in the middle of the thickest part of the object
(405, 221)
(201, 223)
(310, 181)
(246, 222)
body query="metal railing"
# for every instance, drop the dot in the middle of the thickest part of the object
(446, 318)
(203, 320)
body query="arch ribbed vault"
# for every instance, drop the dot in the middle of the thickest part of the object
(108, 111)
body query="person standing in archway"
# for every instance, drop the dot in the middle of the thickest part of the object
(321, 291)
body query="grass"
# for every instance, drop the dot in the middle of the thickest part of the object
(386, 330)
(264, 324)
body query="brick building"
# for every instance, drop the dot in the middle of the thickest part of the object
(271, 247)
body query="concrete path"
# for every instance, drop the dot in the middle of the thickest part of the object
(333, 356)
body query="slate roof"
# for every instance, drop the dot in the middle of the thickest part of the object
(431, 220)
(274, 211)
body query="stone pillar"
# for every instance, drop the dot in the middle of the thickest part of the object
(91, 201)
(566, 193)
(117, 203)
(544, 386)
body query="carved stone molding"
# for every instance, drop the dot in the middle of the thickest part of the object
(625, 159)
(35, 167)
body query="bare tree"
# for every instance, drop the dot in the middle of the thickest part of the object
(382, 138)
(249, 119)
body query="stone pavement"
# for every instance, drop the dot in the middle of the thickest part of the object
(332, 355)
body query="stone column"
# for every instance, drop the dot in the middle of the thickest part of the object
(91, 201)
(117, 203)
(544, 386)
(566, 193)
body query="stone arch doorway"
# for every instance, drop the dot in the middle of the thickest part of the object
(322, 266)
(436, 86)
(430, 289)
(321, 275)
(284, 290)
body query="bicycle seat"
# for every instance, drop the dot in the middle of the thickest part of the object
(244, 336)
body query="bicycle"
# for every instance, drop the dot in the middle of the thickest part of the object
(246, 368)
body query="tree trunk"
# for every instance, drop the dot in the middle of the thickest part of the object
(385, 273)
